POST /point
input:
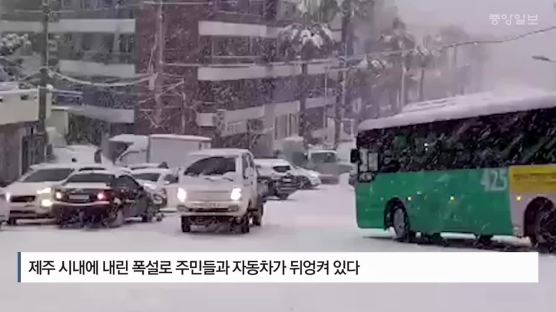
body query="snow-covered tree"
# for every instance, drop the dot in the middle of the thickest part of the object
(10, 43)
(305, 41)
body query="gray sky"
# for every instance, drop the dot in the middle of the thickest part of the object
(511, 62)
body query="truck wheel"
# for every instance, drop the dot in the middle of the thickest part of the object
(283, 196)
(185, 225)
(244, 225)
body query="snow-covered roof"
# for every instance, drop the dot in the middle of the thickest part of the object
(478, 104)
(181, 137)
(272, 162)
(219, 152)
(129, 138)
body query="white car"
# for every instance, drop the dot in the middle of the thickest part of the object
(4, 210)
(308, 179)
(30, 197)
(278, 167)
(160, 181)
(219, 186)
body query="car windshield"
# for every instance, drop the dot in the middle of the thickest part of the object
(147, 176)
(324, 157)
(48, 175)
(282, 168)
(216, 165)
(91, 178)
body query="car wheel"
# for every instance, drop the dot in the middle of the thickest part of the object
(185, 225)
(149, 214)
(12, 221)
(116, 218)
(283, 196)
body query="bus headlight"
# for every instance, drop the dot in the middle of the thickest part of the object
(182, 195)
(235, 195)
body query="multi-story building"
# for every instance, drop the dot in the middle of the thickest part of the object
(20, 146)
(219, 72)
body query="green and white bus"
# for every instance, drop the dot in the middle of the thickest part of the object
(480, 164)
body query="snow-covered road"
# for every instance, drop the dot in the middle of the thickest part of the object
(319, 220)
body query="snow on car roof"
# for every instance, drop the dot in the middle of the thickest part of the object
(219, 152)
(152, 170)
(181, 137)
(479, 104)
(63, 165)
(272, 162)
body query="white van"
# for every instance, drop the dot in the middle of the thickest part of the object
(219, 186)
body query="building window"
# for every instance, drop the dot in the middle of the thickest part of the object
(67, 4)
(86, 4)
(276, 134)
(86, 42)
(107, 3)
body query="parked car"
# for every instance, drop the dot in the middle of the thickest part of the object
(220, 186)
(105, 196)
(159, 181)
(328, 165)
(30, 197)
(4, 210)
(279, 176)
(306, 179)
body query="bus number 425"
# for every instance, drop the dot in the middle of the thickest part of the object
(495, 180)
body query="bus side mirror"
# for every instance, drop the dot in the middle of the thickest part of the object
(354, 156)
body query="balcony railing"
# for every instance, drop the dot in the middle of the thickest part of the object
(97, 56)
(245, 7)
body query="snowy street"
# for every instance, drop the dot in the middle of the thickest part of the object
(317, 220)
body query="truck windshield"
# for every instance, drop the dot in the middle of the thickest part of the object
(48, 175)
(216, 165)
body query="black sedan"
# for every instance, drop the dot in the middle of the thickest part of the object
(101, 197)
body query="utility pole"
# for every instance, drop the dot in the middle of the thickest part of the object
(159, 65)
(44, 75)
(342, 79)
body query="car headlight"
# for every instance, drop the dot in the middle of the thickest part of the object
(46, 190)
(8, 196)
(182, 195)
(235, 195)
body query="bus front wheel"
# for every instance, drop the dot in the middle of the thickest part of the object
(544, 229)
(400, 223)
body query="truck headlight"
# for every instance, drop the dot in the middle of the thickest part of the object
(235, 195)
(182, 195)
(46, 190)
(47, 203)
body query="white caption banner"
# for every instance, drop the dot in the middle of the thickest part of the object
(278, 267)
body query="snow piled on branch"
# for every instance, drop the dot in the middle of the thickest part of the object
(299, 35)
(10, 43)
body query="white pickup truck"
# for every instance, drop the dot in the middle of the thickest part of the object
(219, 186)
